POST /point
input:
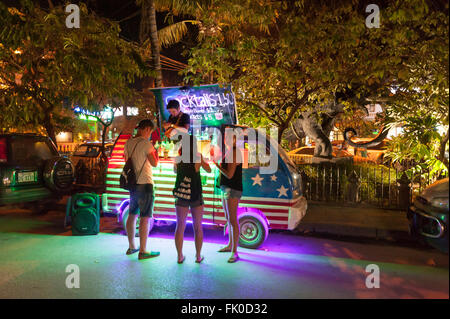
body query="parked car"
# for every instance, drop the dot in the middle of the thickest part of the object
(428, 216)
(90, 165)
(32, 172)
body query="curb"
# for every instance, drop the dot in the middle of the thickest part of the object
(355, 231)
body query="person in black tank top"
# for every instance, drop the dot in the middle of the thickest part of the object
(231, 186)
(188, 195)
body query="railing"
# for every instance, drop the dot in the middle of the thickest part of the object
(67, 148)
(363, 184)
(301, 158)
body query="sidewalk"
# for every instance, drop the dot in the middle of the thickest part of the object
(366, 222)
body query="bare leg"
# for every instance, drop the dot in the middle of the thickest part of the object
(227, 216)
(234, 224)
(179, 231)
(197, 214)
(131, 230)
(143, 233)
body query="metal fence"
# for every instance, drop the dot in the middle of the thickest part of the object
(363, 184)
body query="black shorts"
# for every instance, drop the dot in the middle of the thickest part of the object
(191, 204)
(142, 198)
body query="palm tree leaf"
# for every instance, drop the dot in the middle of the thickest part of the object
(174, 33)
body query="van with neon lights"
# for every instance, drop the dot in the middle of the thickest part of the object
(272, 196)
(32, 172)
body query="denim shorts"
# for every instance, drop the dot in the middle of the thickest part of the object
(142, 198)
(185, 203)
(230, 193)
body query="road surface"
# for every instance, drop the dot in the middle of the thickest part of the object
(35, 251)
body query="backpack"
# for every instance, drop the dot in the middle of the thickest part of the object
(128, 178)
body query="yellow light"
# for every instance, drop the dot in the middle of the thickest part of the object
(18, 51)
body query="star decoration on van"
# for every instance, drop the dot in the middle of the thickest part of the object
(282, 190)
(257, 180)
(273, 178)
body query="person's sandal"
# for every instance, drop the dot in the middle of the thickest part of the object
(198, 261)
(182, 260)
(151, 254)
(233, 259)
(224, 250)
(132, 251)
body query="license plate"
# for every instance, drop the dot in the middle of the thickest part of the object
(26, 177)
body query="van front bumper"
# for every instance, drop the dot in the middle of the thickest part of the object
(297, 212)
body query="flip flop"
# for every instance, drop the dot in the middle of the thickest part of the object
(146, 255)
(198, 261)
(233, 259)
(132, 251)
(182, 260)
(224, 250)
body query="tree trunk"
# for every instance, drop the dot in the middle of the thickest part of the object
(148, 29)
(281, 130)
(50, 127)
(442, 148)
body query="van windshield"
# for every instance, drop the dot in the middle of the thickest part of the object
(87, 151)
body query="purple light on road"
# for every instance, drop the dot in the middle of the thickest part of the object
(125, 201)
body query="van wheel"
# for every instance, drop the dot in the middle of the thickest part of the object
(253, 231)
(125, 218)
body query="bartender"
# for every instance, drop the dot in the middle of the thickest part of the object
(178, 121)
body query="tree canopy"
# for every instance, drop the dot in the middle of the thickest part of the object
(289, 59)
(44, 65)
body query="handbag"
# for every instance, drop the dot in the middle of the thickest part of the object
(128, 178)
(186, 185)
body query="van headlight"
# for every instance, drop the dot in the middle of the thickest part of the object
(440, 202)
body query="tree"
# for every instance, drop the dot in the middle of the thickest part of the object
(311, 60)
(420, 99)
(148, 31)
(45, 66)
(151, 39)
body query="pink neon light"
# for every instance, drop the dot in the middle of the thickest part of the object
(165, 219)
(188, 221)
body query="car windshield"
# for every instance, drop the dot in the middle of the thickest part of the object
(31, 150)
(87, 150)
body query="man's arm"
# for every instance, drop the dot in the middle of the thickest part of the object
(153, 156)
(125, 153)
